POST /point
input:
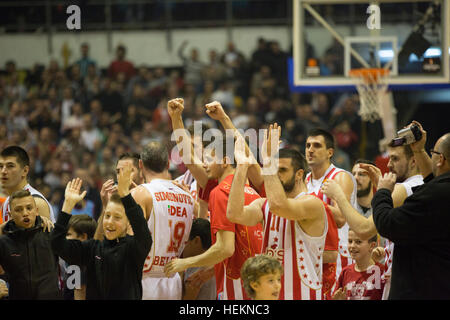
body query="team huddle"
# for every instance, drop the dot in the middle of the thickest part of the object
(229, 228)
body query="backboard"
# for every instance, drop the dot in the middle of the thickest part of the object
(331, 37)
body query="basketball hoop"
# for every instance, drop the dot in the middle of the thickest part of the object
(371, 84)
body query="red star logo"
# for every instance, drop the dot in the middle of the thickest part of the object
(302, 267)
(274, 246)
(318, 257)
(317, 265)
(310, 282)
(301, 250)
(301, 259)
(300, 241)
(304, 276)
(275, 239)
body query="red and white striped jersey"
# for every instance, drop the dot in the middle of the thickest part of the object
(300, 255)
(170, 223)
(35, 193)
(314, 186)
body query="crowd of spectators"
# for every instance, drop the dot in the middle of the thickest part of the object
(77, 121)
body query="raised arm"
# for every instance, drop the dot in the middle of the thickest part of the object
(142, 237)
(422, 158)
(216, 112)
(184, 142)
(363, 227)
(303, 208)
(236, 211)
(73, 251)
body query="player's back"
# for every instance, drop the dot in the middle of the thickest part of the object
(170, 223)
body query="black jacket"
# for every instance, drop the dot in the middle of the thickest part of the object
(28, 260)
(113, 267)
(420, 230)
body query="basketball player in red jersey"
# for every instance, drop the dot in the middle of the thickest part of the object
(233, 244)
(319, 151)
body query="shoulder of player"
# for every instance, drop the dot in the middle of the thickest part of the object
(140, 194)
(310, 200)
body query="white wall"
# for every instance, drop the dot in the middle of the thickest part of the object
(143, 47)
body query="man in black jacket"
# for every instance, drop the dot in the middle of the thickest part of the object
(114, 265)
(420, 228)
(26, 254)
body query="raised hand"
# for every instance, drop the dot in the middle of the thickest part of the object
(332, 189)
(124, 180)
(72, 195)
(239, 151)
(108, 188)
(215, 110)
(175, 107)
(420, 144)
(373, 172)
(271, 143)
(388, 181)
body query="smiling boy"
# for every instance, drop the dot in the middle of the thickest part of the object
(114, 265)
(362, 279)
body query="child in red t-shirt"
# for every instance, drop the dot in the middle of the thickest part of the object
(362, 279)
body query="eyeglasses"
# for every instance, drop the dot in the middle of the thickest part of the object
(437, 152)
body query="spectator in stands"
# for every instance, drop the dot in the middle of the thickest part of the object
(193, 67)
(85, 61)
(120, 65)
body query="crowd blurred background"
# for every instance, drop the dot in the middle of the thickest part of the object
(76, 120)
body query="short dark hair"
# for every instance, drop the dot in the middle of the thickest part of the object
(155, 156)
(82, 223)
(298, 160)
(15, 151)
(132, 156)
(19, 195)
(201, 228)
(115, 198)
(327, 136)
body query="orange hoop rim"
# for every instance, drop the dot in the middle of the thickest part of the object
(369, 74)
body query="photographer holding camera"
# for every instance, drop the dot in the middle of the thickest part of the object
(420, 228)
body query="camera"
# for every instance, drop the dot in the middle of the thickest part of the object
(407, 136)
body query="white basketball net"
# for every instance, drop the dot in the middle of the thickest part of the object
(371, 88)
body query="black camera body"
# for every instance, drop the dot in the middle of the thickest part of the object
(407, 136)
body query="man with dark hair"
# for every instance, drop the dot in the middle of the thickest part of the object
(120, 65)
(319, 151)
(420, 227)
(295, 224)
(169, 211)
(26, 254)
(14, 168)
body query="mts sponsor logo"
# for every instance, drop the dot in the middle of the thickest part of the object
(175, 197)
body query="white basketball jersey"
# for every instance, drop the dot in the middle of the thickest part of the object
(300, 255)
(169, 222)
(6, 209)
(408, 184)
